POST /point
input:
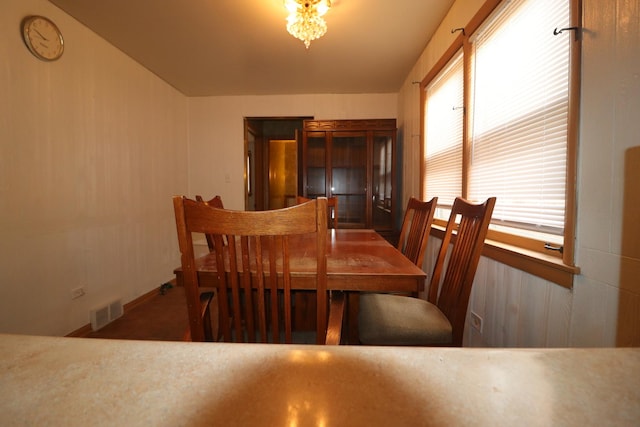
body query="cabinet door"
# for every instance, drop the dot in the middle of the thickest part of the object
(349, 177)
(382, 180)
(315, 163)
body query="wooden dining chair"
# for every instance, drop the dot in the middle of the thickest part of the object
(332, 213)
(305, 301)
(254, 293)
(386, 319)
(216, 202)
(416, 226)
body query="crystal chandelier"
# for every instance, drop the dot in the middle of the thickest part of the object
(305, 21)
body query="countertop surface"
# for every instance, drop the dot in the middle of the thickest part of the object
(76, 381)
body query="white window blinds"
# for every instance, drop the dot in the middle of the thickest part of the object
(519, 114)
(444, 114)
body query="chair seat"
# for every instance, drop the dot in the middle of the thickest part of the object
(386, 319)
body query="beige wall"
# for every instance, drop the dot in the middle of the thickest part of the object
(520, 309)
(607, 295)
(91, 149)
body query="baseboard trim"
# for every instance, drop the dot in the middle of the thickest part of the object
(82, 332)
(85, 330)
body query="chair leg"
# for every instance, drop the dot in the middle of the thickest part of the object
(207, 299)
(353, 304)
(336, 318)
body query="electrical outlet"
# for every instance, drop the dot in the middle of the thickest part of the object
(77, 292)
(476, 321)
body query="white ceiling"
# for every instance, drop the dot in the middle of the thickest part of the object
(241, 47)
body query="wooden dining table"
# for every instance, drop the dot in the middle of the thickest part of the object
(358, 260)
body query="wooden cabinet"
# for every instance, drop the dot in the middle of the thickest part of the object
(352, 160)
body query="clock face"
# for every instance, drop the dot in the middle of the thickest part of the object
(43, 38)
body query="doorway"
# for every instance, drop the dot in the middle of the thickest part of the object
(283, 173)
(272, 151)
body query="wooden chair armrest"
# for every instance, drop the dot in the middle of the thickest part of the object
(210, 331)
(336, 315)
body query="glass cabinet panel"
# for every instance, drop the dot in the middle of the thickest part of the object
(382, 179)
(352, 160)
(349, 177)
(316, 173)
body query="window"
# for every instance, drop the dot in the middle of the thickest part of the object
(513, 77)
(444, 114)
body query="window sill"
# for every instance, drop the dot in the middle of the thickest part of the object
(544, 266)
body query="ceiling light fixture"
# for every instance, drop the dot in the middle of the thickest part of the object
(305, 21)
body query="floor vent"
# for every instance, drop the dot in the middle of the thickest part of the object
(102, 316)
(115, 310)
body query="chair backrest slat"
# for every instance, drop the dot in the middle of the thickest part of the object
(216, 202)
(416, 225)
(451, 294)
(252, 251)
(332, 212)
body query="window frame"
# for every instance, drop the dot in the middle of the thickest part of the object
(528, 254)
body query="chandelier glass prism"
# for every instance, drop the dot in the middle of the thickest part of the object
(305, 20)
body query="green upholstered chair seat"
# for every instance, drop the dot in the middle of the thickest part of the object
(386, 319)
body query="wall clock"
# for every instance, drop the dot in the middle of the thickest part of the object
(42, 37)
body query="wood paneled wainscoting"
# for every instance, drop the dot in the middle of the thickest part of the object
(517, 309)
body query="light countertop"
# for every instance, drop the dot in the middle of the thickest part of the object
(76, 381)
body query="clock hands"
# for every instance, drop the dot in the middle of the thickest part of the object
(41, 36)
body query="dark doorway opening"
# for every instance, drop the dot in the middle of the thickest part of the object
(272, 153)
